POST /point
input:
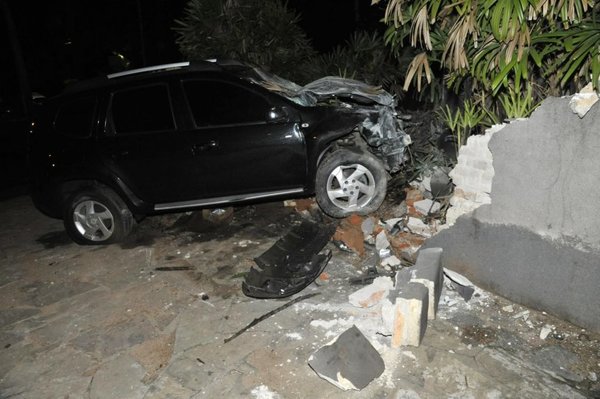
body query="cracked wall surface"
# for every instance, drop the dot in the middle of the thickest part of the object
(538, 241)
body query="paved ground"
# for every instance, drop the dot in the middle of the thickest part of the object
(102, 322)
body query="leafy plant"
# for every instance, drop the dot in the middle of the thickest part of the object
(363, 57)
(517, 105)
(494, 46)
(462, 121)
(261, 32)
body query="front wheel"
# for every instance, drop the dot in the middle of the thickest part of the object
(97, 216)
(350, 182)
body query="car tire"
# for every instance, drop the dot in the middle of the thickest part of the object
(349, 182)
(97, 216)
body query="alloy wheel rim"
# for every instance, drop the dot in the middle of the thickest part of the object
(351, 187)
(93, 220)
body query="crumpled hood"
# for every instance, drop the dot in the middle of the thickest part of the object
(323, 89)
(380, 127)
(334, 86)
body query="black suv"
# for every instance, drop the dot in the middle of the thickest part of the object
(109, 151)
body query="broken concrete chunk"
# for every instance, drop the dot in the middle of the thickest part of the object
(410, 315)
(390, 224)
(391, 261)
(218, 215)
(423, 183)
(416, 226)
(384, 253)
(458, 278)
(546, 330)
(351, 234)
(524, 314)
(427, 206)
(465, 292)
(348, 362)
(388, 306)
(441, 185)
(461, 284)
(367, 226)
(381, 241)
(372, 294)
(413, 195)
(428, 271)
(406, 245)
(402, 278)
(583, 101)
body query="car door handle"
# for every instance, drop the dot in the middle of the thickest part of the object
(212, 144)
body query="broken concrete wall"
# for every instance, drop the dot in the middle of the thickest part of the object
(538, 242)
(472, 176)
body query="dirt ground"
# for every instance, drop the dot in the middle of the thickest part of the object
(148, 318)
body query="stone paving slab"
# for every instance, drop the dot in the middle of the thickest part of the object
(102, 322)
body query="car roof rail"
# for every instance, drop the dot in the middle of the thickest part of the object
(162, 67)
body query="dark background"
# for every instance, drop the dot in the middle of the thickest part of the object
(47, 44)
(68, 40)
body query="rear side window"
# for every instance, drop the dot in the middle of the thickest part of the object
(76, 118)
(214, 103)
(142, 110)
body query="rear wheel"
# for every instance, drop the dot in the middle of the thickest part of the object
(97, 216)
(350, 182)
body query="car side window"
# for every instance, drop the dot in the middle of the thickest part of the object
(142, 110)
(215, 103)
(76, 118)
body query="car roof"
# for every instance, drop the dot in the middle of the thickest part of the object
(126, 77)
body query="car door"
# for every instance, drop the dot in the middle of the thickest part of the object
(141, 146)
(242, 141)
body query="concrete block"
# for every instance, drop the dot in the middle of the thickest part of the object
(410, 315)
(351, 234)
(427, 206)
(417, 226)
(372, 294)
(381, 241)
(429, 272)
(391, 261)
(402, 278)
(348, 362)
(413, 195)
(367, 226)
(583, 101)
(407, 244)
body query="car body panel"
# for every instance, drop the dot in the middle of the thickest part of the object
(244, 157)
(191, 165)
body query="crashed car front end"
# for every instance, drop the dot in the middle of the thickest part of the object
(380, 127)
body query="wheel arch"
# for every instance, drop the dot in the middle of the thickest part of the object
(68, 188)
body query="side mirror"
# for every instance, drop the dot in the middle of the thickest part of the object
(277, 114)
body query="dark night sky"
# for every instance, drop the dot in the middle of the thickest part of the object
(66, 38)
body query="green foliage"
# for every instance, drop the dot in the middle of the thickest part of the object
(261, 32)
(498, 45)
(516, 104)
(462, 121)
(364, 57)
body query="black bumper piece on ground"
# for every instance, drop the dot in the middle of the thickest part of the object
(291, 264)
